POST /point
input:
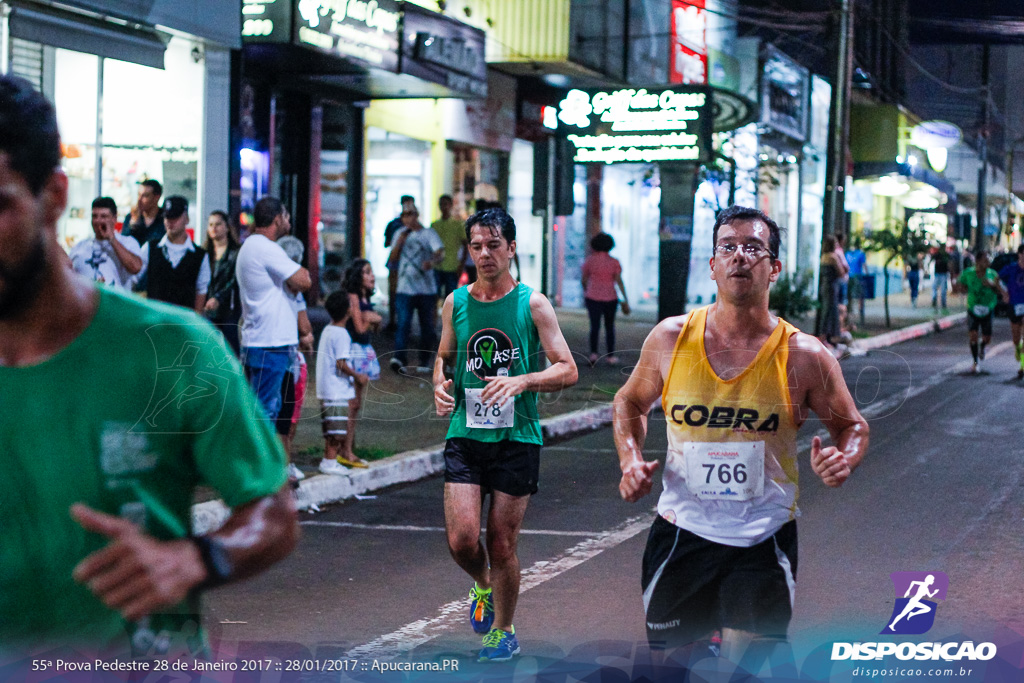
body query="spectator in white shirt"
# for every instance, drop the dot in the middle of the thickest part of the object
(108, 256)
(268, 281)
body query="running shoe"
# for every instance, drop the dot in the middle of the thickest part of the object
(499, 646)
(294, 472)
(396, 366)
(354, 462)
(329, 466)
(481, 609)
(1020, 374)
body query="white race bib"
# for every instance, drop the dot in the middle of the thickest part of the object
(1018, 310)
(480, 415)
(980, 311)
(725, 471)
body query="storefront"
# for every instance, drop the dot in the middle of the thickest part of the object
(133, 102)
(658, 192)
(331, 117)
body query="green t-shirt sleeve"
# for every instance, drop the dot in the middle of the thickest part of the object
(234, 448)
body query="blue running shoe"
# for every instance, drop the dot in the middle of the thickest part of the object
(499, 646)
(481, 609)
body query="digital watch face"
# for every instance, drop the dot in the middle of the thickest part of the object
(490, 353)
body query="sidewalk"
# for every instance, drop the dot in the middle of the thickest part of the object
(402, 436)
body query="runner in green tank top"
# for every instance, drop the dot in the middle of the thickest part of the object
(494, 331)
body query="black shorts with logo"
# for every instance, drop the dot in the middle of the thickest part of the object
(984, 322)
(511, 467)
(693, 586)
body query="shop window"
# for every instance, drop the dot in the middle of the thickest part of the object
(396, 165)
(76, 78)
(153, 128)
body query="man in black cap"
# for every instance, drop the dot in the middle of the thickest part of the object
(177, 269)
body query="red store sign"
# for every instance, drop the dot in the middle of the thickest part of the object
(688, 59)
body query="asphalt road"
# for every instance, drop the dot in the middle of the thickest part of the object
(940, 490)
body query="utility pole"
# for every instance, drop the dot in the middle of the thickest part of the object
(839, 122)
(983, 148)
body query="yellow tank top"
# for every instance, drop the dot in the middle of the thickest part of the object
(731, 471)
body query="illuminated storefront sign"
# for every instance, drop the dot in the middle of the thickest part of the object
(442, 50)
(688, 62)
(363, 30)
(784, 94)
(638, 125)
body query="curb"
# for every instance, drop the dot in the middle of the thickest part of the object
(401, 468)
(410, 466)
(913, 332)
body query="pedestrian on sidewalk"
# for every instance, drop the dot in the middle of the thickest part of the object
(453, 236)
(722, 551)
(940, 277)
(145, 222)
(408, 203)
(223, 301)
(601, 274)
(857, 260)
(176, 270)
(829, 274)
(493, 334)
(97, 559)
(417, 252)
(983, 289)
(336, 383)
(293, 390)
(843, 287)
(107, 256)
(268, 281)
(360, 284)
(913, 270)
(1012, 276)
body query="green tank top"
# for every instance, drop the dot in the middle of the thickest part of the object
(495, 339)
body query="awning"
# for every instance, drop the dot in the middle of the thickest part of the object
(84, 34)
(873, 169)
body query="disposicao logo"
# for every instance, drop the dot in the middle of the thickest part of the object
(917, 597)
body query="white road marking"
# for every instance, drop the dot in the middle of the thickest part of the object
(402, 527)
(454, 613)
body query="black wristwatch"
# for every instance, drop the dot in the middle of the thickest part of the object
(216, 559)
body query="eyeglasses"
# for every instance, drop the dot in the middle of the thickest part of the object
(751, 249)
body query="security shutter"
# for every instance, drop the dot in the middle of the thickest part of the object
(27, 61)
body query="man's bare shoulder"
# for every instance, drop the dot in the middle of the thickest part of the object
(664, 335)
(806, 352)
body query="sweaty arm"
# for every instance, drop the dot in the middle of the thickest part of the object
(137, 574)
(444, 402)
(561, 372)
(632, 405)
(825, 392)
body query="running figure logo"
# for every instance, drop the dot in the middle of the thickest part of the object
(914, 612)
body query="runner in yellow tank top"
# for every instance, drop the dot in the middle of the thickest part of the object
(736, 383)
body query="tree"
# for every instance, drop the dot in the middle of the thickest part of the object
(898, 242)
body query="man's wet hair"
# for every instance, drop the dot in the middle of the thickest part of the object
(337, 305)
(746, 213)
(28, 132)
(493, 218)
(105, 203)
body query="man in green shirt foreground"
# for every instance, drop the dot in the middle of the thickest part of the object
(982, 286)
(494, 332)
(112, 411)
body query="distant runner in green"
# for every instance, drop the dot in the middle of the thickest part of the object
(494, 331)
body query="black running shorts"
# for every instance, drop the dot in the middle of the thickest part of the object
(693, 586)
(983, 322)
(511, 467)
